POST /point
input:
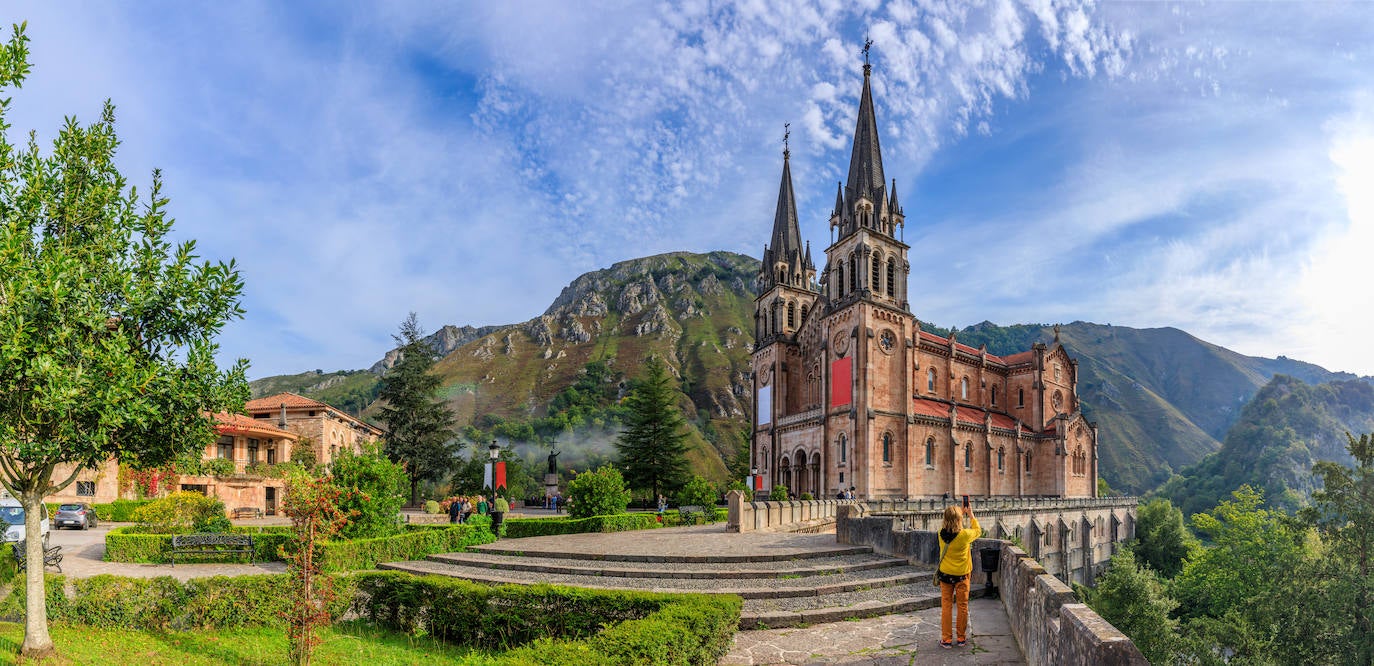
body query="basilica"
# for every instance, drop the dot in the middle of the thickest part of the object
(850, 393)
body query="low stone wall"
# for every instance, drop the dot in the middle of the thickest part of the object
(779, 516)
(1046, 619)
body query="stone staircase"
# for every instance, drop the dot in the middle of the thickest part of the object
(825, 584)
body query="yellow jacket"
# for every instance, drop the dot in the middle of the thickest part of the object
(957, 561)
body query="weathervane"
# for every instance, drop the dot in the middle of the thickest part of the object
(786, 134)
(868, 44)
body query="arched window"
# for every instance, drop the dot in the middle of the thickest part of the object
(994, 392)
(844, 450)
(853, 273)
(876, 264)
(791, 315)
(887, 447)
(1001, 458)
(839, 283)
(963, 388)
(930, 380)
(1020, 397)
(774, 317)
(782, 276)
(1028, 461)
(930, 452)
(803, 317)
(968, 455)
(891, 277)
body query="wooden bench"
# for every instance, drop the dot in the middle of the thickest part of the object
(247, 512)
(212, 544)
(52, 556)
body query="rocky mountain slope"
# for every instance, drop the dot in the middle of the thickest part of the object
(1163, 398)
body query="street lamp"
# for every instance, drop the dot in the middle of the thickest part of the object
(494, 450)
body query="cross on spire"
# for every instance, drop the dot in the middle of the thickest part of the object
(786, 135)
(868, 44)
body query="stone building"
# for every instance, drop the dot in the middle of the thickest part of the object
(851, 393)
(248, 446)
(325, 429)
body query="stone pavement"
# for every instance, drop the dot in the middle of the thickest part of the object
(891, 640)
(82, 551)
(696, 542)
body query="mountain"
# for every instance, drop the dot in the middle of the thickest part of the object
(1288, 426)
(1163, 399)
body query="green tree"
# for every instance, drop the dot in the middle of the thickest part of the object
(1133, 599)
(1163, 541)
(107, 327)
(1344, 511)
(698, 492)
(373, 490)
(598, 493)
(653, 446)
(419, 424)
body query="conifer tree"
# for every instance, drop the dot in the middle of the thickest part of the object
(419, 424)
(653, 446)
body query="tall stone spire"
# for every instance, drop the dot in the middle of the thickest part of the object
(786, 244)
(866, 159)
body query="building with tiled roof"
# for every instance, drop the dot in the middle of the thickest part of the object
(325, 429)
(851, 393)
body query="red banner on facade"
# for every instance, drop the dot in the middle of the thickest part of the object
(500, 474)
(841, 381)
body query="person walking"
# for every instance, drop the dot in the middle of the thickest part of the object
(956, 565)
(498, 513)
(455, 510)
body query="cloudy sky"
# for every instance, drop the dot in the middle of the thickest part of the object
(1203, 166)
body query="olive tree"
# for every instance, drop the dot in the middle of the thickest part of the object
(107, 328)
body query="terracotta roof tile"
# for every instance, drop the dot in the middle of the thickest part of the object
(1019, 357)
(944, 342)
(291, 400)
(244, 424)
(971, 415)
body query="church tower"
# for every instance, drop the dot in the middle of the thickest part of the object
(870, 328)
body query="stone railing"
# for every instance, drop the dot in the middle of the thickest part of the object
(779, 516)
(799, 418)
(1046, 619)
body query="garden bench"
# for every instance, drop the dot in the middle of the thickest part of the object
(247, 512)
(211, 544)
(52, 556)
(691, 514)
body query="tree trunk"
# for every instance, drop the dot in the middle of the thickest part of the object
(37, 641)
(415, 490)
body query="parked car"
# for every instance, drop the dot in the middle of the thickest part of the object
(80, 516)
(12, 519)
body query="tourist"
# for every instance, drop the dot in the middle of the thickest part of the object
(481, 505)
(954, 569)
(662, 503)
(499, 508)
(455, 510)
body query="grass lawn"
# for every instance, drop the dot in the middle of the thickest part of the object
(347, 643)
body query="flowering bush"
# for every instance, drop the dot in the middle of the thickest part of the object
(180, 512)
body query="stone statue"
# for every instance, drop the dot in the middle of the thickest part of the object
(553, 462)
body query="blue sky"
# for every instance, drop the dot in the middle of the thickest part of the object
(1204, 166)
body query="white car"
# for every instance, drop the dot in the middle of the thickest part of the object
(12, 520)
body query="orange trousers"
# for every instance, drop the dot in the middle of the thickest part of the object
(949, 596)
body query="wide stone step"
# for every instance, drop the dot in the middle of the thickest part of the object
(756, 588)
(515, 548)
(739, 570)
(801, 611)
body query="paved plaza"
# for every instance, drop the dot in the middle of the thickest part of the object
(82, 551)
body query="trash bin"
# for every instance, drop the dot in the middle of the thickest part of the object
(988, 560)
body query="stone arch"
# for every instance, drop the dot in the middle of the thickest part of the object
(930, 451)
(875, 272)
(891, 277)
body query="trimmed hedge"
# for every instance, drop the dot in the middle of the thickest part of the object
(621, 522)
(412, 544)
(164, 603)
(119, 511)
(128, 544)
(546, 624)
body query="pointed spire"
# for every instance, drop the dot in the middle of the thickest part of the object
(809, 265)
(786, 234)
(839, 199)
(893, 203)
(866, 159)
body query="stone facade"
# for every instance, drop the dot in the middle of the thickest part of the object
(322, 427)
(98, 485)
(849, 392)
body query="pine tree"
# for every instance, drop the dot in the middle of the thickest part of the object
(419, 425)
(653, 448)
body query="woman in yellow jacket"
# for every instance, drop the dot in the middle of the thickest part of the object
(956, 565)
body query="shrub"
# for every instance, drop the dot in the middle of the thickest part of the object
(217, 523)
(742, 487)
(357, 554)
(129, 544)
(697, 492)
(778, 494)
(374, 488)
(545, 619)
(806, 496)
(598, 493)
(526, 527)
(178, 512)
(119, 511)
(431, 506)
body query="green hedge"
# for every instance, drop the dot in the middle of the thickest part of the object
(128, 544)
(545, 624)
(412, 544)
(621, 522)
(164, 603)
(119, 511)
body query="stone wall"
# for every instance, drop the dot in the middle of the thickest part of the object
(789, 516)
(1048, 622)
